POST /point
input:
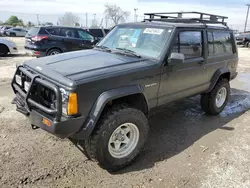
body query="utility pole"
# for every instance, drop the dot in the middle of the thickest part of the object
(135, 19)
(94, 21)
(38, 21)
(245, 29)
(86, 19)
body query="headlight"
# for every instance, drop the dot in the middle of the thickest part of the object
(69, 102)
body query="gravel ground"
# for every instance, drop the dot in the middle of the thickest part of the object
(186, 148)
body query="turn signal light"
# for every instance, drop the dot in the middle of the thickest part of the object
(72, 104)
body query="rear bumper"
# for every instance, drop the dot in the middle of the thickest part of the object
(35, 52)
(57, 124)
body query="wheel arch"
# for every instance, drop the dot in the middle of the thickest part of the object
(119, 95)
(219, 74)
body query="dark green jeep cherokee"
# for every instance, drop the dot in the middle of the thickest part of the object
(103, 96)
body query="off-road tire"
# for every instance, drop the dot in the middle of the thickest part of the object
(4, 50)
(208, 100)
(97, 145)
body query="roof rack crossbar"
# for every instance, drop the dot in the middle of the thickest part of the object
(180, 17)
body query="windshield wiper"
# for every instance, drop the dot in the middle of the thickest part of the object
(127, 51)
(103, 48)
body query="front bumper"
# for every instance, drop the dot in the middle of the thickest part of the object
(58, 125)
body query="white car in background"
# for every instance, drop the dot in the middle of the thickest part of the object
(7, 46)
(16, 32)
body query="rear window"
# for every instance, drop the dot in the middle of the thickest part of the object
(33, 31)
(96, 32)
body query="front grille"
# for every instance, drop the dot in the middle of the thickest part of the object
(38, 93)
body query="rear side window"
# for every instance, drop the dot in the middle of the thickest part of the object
(52, 31)
(68, 32)
(33, 31)
(189, 43)
(220, 42)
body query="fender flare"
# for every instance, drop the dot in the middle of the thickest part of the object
(99, 105)
(216, 77)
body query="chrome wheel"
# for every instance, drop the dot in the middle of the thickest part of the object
(221, 97)
(123, 140)
(54, 53)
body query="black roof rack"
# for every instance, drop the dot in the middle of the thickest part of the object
(181, 17)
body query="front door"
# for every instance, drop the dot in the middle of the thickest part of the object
(70, 39)
(188, 78)
(87, 40)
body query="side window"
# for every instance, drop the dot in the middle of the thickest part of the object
(52, 31)
(189, 43)
(68, 32)
(210, 38)
(220, 42)
(85, 35)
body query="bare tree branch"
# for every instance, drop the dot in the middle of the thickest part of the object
(116, 14)
(68, 19)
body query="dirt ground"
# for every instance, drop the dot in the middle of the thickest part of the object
(186, 148)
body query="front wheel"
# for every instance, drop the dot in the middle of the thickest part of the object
(214, 102)
(119, 137)
(4, 50)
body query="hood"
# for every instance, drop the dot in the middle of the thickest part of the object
(83, 64)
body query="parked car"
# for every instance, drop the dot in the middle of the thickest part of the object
(243, 39)
(98, 32)
(4, 29)
(7, 46)
(52, 40)
(16, 32)
(101, 97)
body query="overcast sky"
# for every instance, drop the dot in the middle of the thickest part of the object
(50, 10)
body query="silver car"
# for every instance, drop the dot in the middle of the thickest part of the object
(16, 32)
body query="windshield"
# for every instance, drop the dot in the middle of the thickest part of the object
(144, 41)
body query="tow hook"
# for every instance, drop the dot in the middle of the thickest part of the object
(34, 127)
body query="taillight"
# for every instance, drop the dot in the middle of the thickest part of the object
(39, 38)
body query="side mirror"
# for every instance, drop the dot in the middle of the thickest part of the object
(176, 58)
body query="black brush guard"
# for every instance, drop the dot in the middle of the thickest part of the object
(23, 101)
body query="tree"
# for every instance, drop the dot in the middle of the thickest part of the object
(68, 19)
(13, 20)
(115, 14)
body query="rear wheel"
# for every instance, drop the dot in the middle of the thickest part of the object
(214, 102)
(118, 138)
(54, 52)
(4, 50)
